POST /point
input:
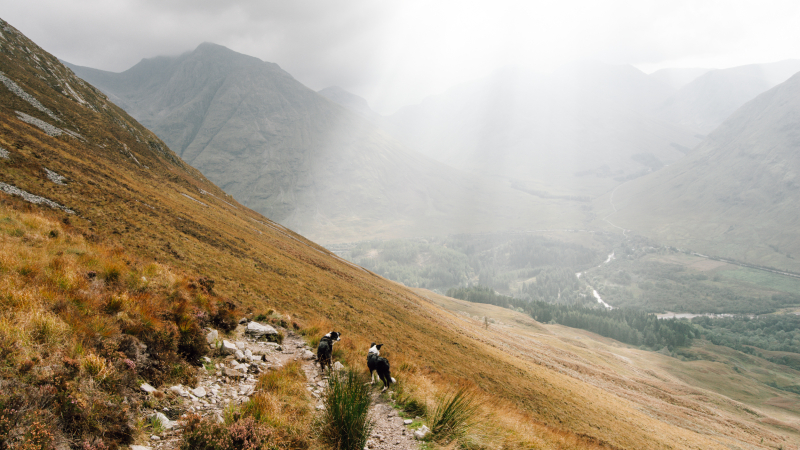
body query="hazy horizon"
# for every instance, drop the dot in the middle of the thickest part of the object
(396, 55)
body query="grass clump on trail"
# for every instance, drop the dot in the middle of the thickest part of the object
(454, 415)
(345, 424)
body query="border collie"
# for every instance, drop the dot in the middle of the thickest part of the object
(325, 348)
(375, 362)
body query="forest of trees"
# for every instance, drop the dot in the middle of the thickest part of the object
(778, 333)
(625, 325)
(774, 333)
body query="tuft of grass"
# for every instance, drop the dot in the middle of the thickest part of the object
(345, 424)
(454, 415)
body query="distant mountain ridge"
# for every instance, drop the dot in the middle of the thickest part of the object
(705, 102)
(736, 195)
(677, 78)
(297, 157)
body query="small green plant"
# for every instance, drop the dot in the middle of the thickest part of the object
(454, 415)
(156, 427)
(277, 338)
(345, 424)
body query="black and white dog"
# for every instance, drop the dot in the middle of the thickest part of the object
(325, 348)
(376, 363)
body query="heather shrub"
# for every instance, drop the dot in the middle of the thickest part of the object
(243, 434)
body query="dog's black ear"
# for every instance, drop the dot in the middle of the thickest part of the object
(372, 345)
(379, 346)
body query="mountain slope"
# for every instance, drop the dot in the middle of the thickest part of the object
(709, 99)
(300, 159)
(579, 130)
(138, 211)
(736, 195)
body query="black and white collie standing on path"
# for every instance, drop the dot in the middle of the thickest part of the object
(377, 363)
(325, 348)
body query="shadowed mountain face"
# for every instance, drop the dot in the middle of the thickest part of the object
(737, 194)
(298, 158)
(709, 99)
(581, 130)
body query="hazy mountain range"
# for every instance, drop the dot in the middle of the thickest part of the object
(580, 130)
(709, 99)
(516, 150)
(301, 159)
(736, 194)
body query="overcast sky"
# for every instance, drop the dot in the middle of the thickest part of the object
(395, 53)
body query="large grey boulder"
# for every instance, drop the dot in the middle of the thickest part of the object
(258, 330)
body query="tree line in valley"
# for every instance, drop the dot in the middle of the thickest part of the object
(625, 325)
(773, 333)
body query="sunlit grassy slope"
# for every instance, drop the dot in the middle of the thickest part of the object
(724, 396)
(132, 196)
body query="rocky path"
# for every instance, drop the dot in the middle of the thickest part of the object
(233, 380)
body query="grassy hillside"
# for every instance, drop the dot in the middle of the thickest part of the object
(727, 396)
(134, 250)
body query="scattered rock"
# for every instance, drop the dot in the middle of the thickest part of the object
(212, 337)
(228, 348)
(307, 355)
(178, 390)
(140, 447)
(239, 355)
(243, 320)
(408, 422)
(147, 388)
(258, 330)
(199, 392)
(338, 366)
(421, 433)
(233, 373)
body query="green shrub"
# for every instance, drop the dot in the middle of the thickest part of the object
(345, 424)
